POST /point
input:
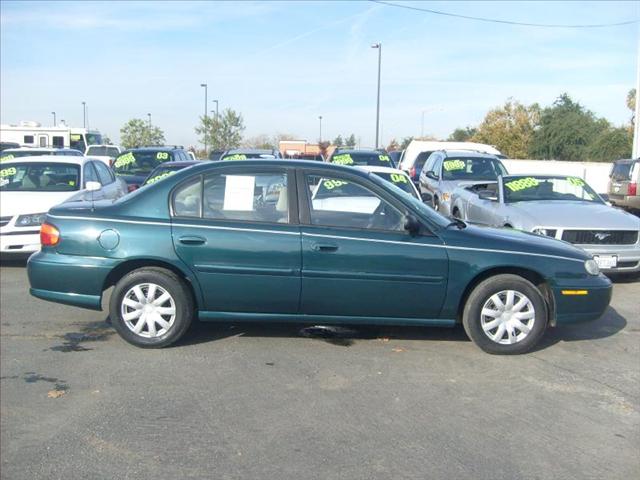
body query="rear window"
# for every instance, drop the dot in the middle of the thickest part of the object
(246, 155)
(103, 151)
(140, 162)
(622, 171)
(400, 180)
(421, 159)
(471, 168)
(40, 177)
(8, 155)
(373, 159)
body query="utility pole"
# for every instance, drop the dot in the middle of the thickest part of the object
(54, 118)
(320, 118)
(84, 114)
(149, 119)
(216, 102)
(205, 115)
(379, 47)
(635, 151)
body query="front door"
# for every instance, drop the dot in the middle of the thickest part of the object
(357, 258)
(235, 230)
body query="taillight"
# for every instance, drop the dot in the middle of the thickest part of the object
(49, 235)
(412, 173)
(633, 189)
(132, 186)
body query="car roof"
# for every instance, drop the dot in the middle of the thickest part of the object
(155, 149)
(265, 151)
(180, 163)
(39, 149)
(340, 151)
(75, 159)
(467, 153)
(377, 169)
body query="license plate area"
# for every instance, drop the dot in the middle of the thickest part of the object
(606, 261)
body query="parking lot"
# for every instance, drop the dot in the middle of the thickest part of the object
(276, 401)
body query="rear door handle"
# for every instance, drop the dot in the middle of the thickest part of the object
(324, 247)
(188, 240)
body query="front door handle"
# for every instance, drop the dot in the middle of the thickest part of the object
(324, 247)
(189, 240)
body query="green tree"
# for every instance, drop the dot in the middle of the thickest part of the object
(405, 142)
(137, 133)
(221, 132)
(510, 128)
(631, 104)
(260, 141)
(462, 134)
(350, 141)
(338, 142)
(565, 131)
(611, 144)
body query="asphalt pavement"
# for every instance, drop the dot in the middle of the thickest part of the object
(252, 401)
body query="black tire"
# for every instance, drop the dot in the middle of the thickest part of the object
(482, 293)
(183, 306)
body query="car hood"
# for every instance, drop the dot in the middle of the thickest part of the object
(20, 203)
(571, 215)
(508, 239)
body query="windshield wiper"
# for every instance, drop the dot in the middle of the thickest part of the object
(457, 222)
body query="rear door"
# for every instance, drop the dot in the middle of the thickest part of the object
(357, 258)
(237, 230)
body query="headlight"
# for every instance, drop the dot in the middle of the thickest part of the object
(591, 267)
(30, 220)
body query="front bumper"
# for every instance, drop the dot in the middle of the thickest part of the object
(69, 279)
(585, 301)
(628, 256)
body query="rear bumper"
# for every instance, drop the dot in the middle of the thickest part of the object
(629, 201)
(68, 279)
(584, 307)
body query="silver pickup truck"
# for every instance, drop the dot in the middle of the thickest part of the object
(562, 207)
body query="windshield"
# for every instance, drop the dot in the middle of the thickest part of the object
(40, 177)
(246, 155)
(374, 159)
(140, 162)
(103, 151)
(400, 180)
(94, 138)
(8, 155)
(528, 188)
(474, 168)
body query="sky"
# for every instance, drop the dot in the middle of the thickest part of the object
(283, 64)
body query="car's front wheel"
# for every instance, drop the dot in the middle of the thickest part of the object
(151, 307)
(505, 314)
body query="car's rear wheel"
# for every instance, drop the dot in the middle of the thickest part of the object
(505, 314)
(151, 307)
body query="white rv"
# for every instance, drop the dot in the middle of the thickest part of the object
(32, 134)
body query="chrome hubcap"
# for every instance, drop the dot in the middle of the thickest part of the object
(148, 310)
(507, 317)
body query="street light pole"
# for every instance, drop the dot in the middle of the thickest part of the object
(320, 118)
(635, 149)
(379, 47)
(216, 102)
(84, 114)
(205, 115)
(149, 118)
(54, 118)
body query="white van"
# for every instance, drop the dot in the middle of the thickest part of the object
(418, 151)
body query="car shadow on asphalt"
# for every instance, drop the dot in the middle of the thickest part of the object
(606, 326)
(343, 335)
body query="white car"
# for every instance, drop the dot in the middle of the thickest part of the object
(11, 153)
(417, 152)
(397, 177)
(30, 186)
(105, 153)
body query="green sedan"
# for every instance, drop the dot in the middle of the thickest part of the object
(282, 240)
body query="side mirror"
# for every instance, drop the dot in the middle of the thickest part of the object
(426, 197)
(412, 225)
(487, 195)
(92, 186)
(432, 175)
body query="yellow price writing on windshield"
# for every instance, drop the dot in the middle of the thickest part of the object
(8, 172)
(331, 184)
(160, 177)
(450, 165)
(162, 156)
(6, 157)
(343, 159)
(522, 184)
(578, 182)
(398, 178)
(384, 158)
(236, 156)
(124, 160)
